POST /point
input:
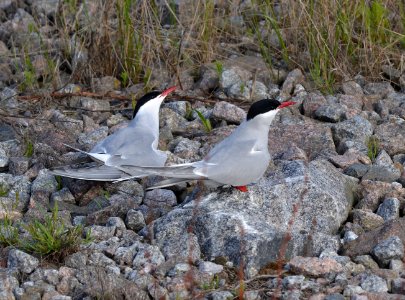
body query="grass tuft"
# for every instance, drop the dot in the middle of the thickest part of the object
(206, 122)
(373, 147)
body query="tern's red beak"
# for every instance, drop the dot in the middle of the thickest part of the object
(168, 91)
(285, 104)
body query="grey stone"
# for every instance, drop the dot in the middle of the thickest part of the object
(65, 123)
(94, 105)
(135, 220)
(130, 188)
(157, 291)
(349, 236)
(17, 189)
(355, 129)
(187, 149)
(100, 260)
(379, 88)
(293, 282)
(389, 209)
(367, 219)
(148, 257)
(183, 108)
(357, 170)
(98, 232)
(233, 76)
(160, 197)
(116, 222)
(379, 173)
(125, 254)
(209, 79)
(398, 286)
(104, 85)
(352, 88)
(373, 283)
(19, 165)
(228, 112)
(76, 260)
(396, 265)
(334, 297)
(312, 103)
(330, 113)
(63, 195)
(210, 267)
(8, 283)
(90, 139)
(388, 249)
(293, 78)
(220, 295)
(22, 261)
(391, 135)
(367, 261)
(260, 217)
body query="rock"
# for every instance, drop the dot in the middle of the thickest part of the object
(389, 209)
(117, 206)
(367, 261)
(148, 258)
(228, 112)
(380, 88)
(209, 79)
(315, 140)
(186, 149)
(352, 88)
(210, 268)
(183, 108)
(398, 286)
(373, 283)
(220, 295)
(396, 265)
(293, 282)
(367, 241)
(313, 266)
(261, 218)
(130, 188)
(105, 84)
(293, 78)
(312, 103)
(355, 129)
(65, 123)
(233, 76)
(352, 290)
(386, 250)
(63, 195)
(19, 165)
(349, 236)
(89, 139)
(100, 233)
(380, 173)
(391, 135)
(22, 261)
(356, 170)
(160, 197)
(8, 284)
(367, 219)
(330, 113)
(135, 220)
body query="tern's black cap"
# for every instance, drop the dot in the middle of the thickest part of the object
(145, 98)
(261, 107)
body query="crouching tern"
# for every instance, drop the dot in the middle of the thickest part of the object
(135, 145)
(238, 160)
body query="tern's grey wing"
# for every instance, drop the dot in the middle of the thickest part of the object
(235, 162)
(96, 173)
(128, 140)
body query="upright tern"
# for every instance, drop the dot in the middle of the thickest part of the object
(135, 145)
(238, 160)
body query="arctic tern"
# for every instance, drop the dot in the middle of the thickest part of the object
(135, 145)
(238, 160)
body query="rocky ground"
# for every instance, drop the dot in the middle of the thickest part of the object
(325, 222)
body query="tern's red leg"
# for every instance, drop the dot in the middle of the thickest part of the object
(242, 188)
